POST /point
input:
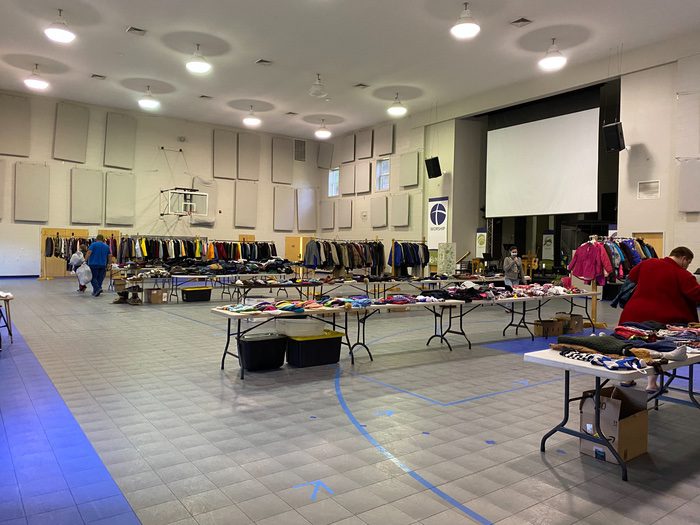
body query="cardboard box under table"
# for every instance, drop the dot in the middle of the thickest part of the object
(623, 420)
(156, 296)
(314, 350)
(548, 327)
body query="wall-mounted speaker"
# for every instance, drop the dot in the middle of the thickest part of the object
(432, 165)
(613, 138)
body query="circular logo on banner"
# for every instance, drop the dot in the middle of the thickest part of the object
(438, 214)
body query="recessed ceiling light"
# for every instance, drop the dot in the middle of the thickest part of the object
(552, 60)
(197, 64)
(59, 31)
(397, 109)
(148, 101)
(136, 31)
(250, 120)
(97, 76)
(35, 81)
(323, 132)
(263, 62)
(467, 26)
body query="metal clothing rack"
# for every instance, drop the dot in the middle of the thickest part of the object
(394, 242)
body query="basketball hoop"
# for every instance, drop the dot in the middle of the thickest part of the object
(183, 202)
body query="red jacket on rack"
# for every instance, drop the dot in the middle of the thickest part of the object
(665, 293)
(591, 262)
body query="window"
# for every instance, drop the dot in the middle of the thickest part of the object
(383, 172)
(334, 182)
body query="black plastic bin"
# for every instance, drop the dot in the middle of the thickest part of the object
(314, 350)
(262, 351)
(196, 293)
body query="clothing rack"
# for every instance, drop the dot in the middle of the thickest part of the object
(393, 247)
(374, 268)
(51, 267)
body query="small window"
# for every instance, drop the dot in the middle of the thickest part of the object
(383, 173)
(334, 182)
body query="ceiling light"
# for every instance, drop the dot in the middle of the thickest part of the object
(197, 64)
(58, 31)
(318, 90)
(323, 132)
(466, 26)
(251, 120)
(35, 81)
(553, 60)
(397, 109)
(148, 101)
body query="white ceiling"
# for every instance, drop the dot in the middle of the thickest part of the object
(391, 45)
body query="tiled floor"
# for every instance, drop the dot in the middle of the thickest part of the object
(417, 436)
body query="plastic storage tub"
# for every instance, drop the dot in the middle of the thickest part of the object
(300, 327)
(262, 351)
(314, 350)
(196, 293)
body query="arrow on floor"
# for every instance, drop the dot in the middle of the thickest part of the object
(318, 484)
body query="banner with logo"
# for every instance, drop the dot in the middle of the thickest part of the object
(548, 246)
(480, 243)
(437, 221)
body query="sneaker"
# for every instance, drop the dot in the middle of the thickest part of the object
(97, 294)
(119, 300)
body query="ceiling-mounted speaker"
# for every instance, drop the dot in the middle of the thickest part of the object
(613, 138)
(432, 165)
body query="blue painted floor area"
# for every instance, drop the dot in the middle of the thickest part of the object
(524, 345)
(49, 471)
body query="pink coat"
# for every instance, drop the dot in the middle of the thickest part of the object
(591, 262)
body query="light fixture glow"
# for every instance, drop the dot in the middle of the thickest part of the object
(148, 101)
(197, 64)
(397, 109)
(35, 81)
(553, 60)
(59, 31)
(318, 90)
(323, 132)
(251, 120)
(467, 26)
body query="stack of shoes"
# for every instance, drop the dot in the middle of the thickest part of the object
(120, 300)
(134, 300)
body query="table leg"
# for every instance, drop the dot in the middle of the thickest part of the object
(565, 420)
(360, 341)
(691, 388)
(228, 342)
(437, 324)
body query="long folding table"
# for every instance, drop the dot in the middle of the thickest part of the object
(553, 359)
(339, 320)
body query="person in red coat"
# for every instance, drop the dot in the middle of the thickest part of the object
(666, 292)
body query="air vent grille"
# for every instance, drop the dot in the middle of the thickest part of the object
(135, 31)
(291, 113)
(206, 97)
(263, 62)
(361, 86)
(521, 22)
(98, 77)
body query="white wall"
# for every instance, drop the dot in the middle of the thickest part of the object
(648, 111)
(154, 169)
(468, 181)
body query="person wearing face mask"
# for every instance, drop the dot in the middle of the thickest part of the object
(666, 291)
(513, 268)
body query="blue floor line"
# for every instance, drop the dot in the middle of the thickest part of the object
(49, 471)
(677, 401)
(459, 401)
(420, 479)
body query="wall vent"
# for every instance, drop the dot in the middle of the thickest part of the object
(206, 97)
(135, 31)
(263, 62)
(98, 77)
(300, 150)
(521, 22)
(361, 85)
(291, 113)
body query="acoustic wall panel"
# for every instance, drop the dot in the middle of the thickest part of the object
(120, 141)
(248, 156)
(408, 169)
(283, 218)
(3, 190)
(86, 196)
(31, 192)
(210, 187)
(384, 140)
(400, 209)
(363, 177)
(325, 155)
(347, 148)
(344, 208)
(70, 132)
(120, 199)
(282, 160)
(689, 186)
(225, 154)
(246, 205)
(347, 179)
(327, 215)
(363, 144)
(14, 130)
(306, 209)
(377, 211)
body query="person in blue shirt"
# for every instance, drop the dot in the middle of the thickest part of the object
(98, 257)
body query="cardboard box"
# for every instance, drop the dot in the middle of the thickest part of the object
(548, 327)
(623, 419)
(156, 296)
(573, 323)
(119, 285)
